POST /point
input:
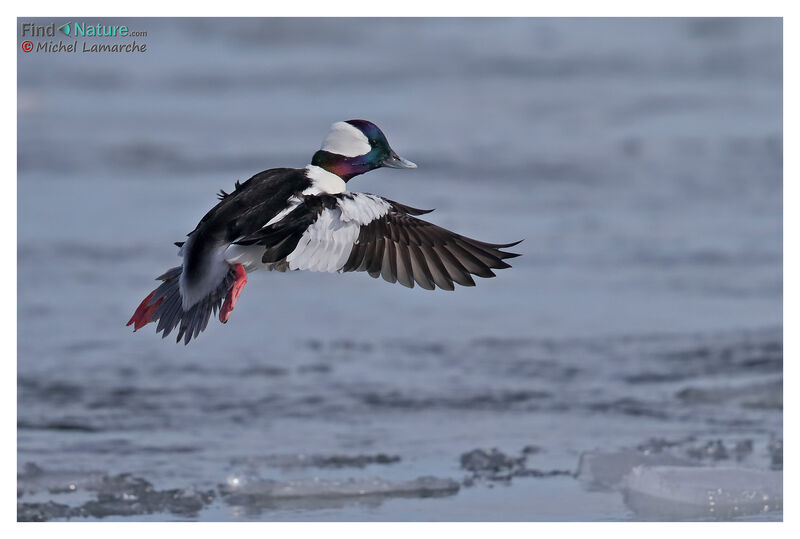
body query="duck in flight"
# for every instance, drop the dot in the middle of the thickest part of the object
(306, 219)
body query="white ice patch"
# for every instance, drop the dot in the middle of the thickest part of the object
(347, 140)
(323, 182)
(681, 493)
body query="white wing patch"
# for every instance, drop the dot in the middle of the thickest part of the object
(363, 208)
(347, 140)
(326, 244)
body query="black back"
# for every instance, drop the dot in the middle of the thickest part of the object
(243, 211)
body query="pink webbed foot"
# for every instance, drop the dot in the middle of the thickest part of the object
(233, 293)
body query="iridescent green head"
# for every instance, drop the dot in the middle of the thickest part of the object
(355, 147)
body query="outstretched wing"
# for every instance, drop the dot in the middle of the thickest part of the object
(364, 232)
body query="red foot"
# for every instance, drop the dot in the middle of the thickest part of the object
(144, 312)
(233, 293)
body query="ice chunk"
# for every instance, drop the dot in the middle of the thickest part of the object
(680, 493)
(253, 487)
(117, 495)
(606, 470)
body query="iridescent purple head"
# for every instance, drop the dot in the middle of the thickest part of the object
(355, 147)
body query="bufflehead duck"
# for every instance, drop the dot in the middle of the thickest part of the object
(306, 219)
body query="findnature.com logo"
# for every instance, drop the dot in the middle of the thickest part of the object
(80, 30)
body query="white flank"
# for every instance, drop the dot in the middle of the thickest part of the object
(346, 140)
(323, 182)
(248, 256)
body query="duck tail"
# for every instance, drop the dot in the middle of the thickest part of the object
(165, 305)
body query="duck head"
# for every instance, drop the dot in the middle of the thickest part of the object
(355, 147)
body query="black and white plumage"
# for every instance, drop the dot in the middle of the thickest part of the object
(365, 232)
(305, 219)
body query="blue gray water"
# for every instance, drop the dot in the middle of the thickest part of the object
(639, 336)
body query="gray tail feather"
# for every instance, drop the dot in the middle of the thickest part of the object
(170, 314)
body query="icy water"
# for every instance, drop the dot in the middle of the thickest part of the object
(628, 367)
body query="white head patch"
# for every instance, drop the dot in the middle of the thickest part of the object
(347, 140)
